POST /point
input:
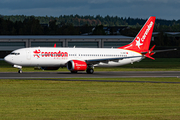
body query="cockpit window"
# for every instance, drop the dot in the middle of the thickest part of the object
(14, 53)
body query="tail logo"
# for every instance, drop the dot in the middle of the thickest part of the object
(139, 40)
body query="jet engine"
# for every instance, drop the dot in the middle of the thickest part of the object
(76, 65)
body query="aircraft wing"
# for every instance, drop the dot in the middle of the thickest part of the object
(106, 60)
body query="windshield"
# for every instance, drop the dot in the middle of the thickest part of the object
(14, 53)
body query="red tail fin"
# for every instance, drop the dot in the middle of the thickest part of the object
(55, 45)
(142, 40)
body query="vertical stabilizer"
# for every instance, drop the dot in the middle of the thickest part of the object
(142, 40)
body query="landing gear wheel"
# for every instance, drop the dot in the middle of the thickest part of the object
(90, 71)
(20, 71)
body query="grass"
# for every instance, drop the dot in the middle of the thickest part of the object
(153, 79)
(71, 100)
(160, 64)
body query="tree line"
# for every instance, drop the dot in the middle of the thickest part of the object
(32, 26)
(77, 20)
(75, 24)
(67, 25)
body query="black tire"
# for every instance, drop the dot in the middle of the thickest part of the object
(20, 71)
(90, 71)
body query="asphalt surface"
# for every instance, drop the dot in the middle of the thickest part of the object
(129, 74)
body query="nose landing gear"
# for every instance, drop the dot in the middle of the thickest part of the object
(20, 71)
(19, 67)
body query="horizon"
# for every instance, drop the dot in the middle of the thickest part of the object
(90, 15)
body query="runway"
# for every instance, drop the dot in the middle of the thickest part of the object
(128, 74)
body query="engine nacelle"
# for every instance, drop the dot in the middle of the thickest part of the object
(76, 65)
(49, 68)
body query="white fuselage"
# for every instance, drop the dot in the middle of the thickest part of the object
(58, 57)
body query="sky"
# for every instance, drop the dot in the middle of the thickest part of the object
(162, 9)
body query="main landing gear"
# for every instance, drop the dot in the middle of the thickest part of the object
(90, 69)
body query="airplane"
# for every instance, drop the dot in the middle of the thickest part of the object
(85, 59)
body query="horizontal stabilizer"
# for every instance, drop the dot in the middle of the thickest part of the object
(164, 50)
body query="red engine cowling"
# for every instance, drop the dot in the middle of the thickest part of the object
(76, 65)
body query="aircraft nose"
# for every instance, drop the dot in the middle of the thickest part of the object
(7, 58)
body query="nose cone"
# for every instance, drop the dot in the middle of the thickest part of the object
(8, 59)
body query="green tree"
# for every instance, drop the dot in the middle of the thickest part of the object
(99, 30)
